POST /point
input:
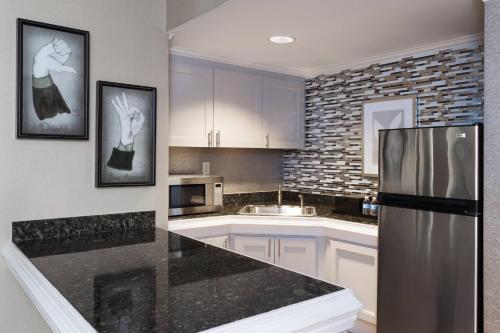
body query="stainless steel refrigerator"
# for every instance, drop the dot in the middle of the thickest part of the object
(430, 230)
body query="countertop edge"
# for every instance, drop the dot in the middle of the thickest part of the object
(55, 309)
(319, 227)
(335, 312)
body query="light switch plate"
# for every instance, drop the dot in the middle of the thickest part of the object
(206, 168)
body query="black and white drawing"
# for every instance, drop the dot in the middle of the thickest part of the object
(126, 134)
(387, 113)
(52, 81)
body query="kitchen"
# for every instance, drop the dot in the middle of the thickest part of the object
(266, 153)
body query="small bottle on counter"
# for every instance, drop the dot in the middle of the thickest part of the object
(374, 207)
(367, 206)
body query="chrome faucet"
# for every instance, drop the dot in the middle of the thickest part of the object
(301, 197)
(279, 196)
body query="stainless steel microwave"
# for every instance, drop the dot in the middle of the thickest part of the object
(193, 194)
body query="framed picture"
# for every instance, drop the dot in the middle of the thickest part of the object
(125, 301)
(52, 81)
(126, 135)
(386, 113)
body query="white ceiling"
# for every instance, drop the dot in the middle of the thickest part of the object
(330, 34)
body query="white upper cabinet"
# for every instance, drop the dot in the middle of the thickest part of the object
(216, 105)
(283, 107)
(191, 105)
(237, 109)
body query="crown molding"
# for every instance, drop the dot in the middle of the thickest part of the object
(456, 43)
(237, 62)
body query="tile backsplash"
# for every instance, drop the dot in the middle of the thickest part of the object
(449, 89)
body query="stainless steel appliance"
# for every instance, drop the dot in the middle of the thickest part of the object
(192, 194)
(430, 230)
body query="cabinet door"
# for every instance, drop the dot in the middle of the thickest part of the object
(191, 105)
(355, 267)
(237, 109)
(297, 254)
(219, 241)
(257, 247)
(283, 109)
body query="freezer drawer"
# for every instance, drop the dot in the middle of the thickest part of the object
(427, 279)
(441, 162)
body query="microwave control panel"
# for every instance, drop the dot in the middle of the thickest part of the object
(218, 194)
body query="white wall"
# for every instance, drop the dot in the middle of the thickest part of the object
(181, 11)
(492, 167)
(46, 179)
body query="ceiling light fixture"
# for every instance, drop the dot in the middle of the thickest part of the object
(282, 39)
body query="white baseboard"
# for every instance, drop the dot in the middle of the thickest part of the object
(361, 326)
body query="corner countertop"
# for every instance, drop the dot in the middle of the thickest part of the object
(152, 280)
(321, 211)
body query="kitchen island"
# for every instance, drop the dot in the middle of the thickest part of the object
(152, 280)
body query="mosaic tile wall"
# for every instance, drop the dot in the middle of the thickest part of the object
(449, 89)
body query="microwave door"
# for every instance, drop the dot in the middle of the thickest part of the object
(189, 199)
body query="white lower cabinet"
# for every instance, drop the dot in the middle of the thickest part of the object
(258, 247)
(219, 241)
(295, 253)
(355, 266)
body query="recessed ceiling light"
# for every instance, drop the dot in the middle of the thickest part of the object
(282, 39)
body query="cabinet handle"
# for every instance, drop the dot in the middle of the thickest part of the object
(279, 247)
(218, 139)
(269, 247)
(225, 243)
(267, 140)
(210, 139)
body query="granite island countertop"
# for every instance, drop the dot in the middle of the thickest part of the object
(152, 280)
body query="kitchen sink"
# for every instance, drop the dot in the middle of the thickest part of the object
(275, 210)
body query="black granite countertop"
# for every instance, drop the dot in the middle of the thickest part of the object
(151, 280)
(321, 211)
(324, 205)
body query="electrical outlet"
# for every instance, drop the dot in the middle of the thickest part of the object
(206, 168)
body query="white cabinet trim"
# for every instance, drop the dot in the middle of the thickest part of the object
(332, 313)
(59, 314)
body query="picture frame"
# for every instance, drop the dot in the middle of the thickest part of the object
(52, 81)
(115, 295)
(126, 135)
(379, 114)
